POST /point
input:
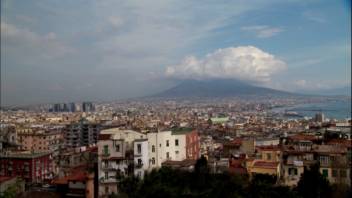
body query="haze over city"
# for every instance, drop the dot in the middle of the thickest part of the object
(60, 51)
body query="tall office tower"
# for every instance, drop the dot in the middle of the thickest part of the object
(72, 107)
(319, 117)
(87, 107)
(56, 108)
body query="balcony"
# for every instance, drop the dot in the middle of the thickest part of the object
(113, 167)
(138, 165)
(104, 180)
(105, 154)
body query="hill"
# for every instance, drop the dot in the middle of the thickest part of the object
(217, 88)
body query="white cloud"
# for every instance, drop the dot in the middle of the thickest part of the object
(262, 31)
(244, 63)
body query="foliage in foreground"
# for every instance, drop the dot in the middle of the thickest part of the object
(167, 182)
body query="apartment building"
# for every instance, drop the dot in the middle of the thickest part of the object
(8, 137)
(126, 152)
(121, 153)
(40, 140)
(173, 145)
(82, 133)
(71, 158)
(33, 167)
(268, 161)
(334, 163)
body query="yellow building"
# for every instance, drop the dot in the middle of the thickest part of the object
(263, 167)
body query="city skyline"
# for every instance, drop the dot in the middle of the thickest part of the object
(75, 51)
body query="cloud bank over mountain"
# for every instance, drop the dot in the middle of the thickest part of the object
(246, 63)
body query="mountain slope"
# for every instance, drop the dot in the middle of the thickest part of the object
(217, 88)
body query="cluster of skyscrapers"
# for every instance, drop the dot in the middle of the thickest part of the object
(73, 107)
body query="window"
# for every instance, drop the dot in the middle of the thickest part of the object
(324, 159)
(325, 172)
(176, 142)
(268, 156)
(106, 163)
(139, 162)
(167, 155)
(139, 148)
(106, 189)
(159, 145)
(343, 173)
(106, 150)
(106, 175)
(153, 160)
(292, 171)
(117, 148)
(167, 143)
(177, 152)
(334, 173)
(153, 149)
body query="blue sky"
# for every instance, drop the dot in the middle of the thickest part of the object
(56, 51)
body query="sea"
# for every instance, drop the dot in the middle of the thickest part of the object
(339, 109)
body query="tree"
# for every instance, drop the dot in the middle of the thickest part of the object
(313, 184)
(13, 190)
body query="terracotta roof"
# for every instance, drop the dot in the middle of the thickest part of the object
(342, 142)
(104, 136)
(269, 148)
(76, 176)
(93, 149)
(303, 137)
(6, 178)
(236, 163)
(235, 142)
(265, 164)
(330, 149)
(238, 170)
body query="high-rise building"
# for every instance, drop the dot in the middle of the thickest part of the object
(82, 133)
(319, 117)
(88, 107)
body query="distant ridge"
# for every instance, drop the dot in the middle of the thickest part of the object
(217, 88)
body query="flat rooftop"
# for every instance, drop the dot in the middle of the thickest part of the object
(181, 131)
(24, 155)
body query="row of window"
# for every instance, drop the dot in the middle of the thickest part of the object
(335, 173)
(167, 145)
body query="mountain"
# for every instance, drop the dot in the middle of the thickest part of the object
(217, 88)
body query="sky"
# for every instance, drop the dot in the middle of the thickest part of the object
(85, 50)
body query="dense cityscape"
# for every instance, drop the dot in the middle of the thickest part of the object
(87, 149)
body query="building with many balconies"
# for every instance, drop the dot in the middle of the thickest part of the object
(82, 133)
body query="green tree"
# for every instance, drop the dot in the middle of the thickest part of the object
(313, 184)
(13, 190)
